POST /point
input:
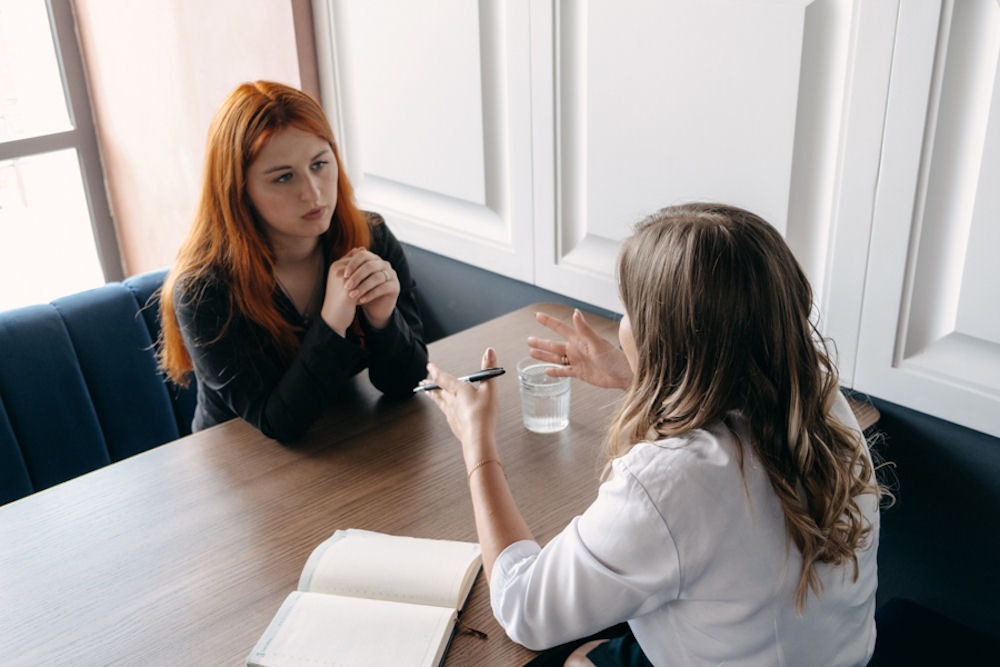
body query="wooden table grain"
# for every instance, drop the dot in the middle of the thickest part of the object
(181, 555)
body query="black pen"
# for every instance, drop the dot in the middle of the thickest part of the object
(478, 376)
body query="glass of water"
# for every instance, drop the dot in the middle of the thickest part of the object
(544, 399)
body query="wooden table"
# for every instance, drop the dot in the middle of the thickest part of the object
(182, 555)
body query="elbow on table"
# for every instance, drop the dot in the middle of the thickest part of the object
(397, 384)
(400, 392)
(287, 434)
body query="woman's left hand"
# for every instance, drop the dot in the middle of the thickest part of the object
(372, 283)
(471, 410)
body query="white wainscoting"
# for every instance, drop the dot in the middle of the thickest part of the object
(431, 104)
(930, 335)
(653, 104)
(527, 136)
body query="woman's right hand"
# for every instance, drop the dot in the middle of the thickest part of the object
(338, 307)
(583, 354)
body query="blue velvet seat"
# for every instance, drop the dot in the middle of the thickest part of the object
(80, 387)
(45, 394)
(14, 479)
(118, 364)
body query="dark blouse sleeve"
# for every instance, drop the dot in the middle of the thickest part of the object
(397, 354)
(242, 373)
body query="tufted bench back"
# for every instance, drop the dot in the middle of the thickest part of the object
(80, 388)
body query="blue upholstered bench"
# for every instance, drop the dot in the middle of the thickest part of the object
(79, 385)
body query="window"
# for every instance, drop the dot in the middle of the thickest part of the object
(56, 234)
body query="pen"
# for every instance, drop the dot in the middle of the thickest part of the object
(478, 376)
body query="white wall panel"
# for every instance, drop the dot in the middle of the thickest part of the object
(774, 106)
(930, 337)
(659, 103)
(430, 103)
(417, 106)
(977, 110)
(847, 51)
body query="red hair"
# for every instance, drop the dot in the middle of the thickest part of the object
(225, 239)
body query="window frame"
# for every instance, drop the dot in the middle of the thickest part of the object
(82, 137)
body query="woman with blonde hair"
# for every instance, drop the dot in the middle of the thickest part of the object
(283, 290)
(738, 520)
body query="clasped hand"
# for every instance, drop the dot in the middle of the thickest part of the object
(359, 278)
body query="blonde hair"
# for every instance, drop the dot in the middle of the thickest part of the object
(720, 311)
(225, 240)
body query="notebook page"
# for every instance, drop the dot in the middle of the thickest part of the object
(313, 630)
(362, 563)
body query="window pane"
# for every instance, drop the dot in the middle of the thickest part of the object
(32, 102)
(46, 243)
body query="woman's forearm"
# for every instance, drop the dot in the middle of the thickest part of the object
(498, 520)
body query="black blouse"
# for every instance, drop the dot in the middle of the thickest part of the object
(242, 373)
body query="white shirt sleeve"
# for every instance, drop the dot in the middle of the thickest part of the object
(614, 562)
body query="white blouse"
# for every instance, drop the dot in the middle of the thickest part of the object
(696, 560)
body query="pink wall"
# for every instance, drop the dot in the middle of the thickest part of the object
(157, 71)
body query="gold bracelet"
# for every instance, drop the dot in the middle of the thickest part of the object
(480, 465)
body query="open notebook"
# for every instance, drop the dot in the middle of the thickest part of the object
(367, 598)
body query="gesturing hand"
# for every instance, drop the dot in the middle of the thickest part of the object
(583, 354)
(471, 410)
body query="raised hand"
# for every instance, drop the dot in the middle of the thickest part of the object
(582, 354)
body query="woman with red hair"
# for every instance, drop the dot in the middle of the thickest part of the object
(283, 290)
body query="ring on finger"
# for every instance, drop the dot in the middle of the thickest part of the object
(385, 274)
(564, 360)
